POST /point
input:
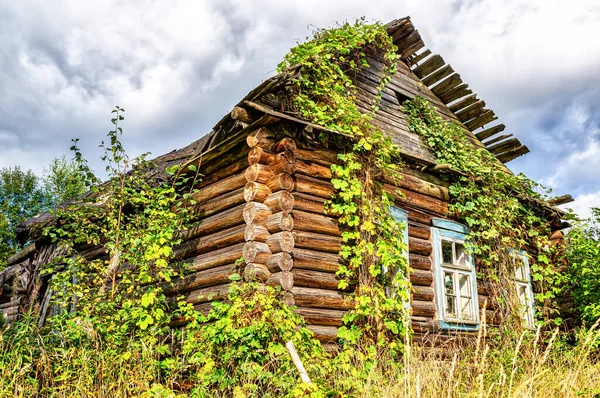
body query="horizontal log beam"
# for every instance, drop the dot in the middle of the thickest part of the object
(310, 278)
(314, 241)
(316, 260)
(215, 258)
(319, 298)
(210, 242)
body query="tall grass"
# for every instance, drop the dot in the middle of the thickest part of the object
(529, 364)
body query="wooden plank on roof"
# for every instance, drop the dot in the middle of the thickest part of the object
(482, 120)
(504, 146)
(409, 44)
(400, 28)
(455, 93)
(497, 139)
(482, 135)
(429, 66)
(513, 154)
(438, 75)
(447, 84)
(417, 58)
(471, 111)
(463, 103)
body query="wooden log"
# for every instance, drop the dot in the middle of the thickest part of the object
(325, 334)
(314, 186)
(421, 277)
(419, 218)
(325, 157)
(219, 203)
(216, 222)
(285, 144)
(423, 308)
(210, 242)
(215, 258)
(309, 203)
(256, 252)
(313, 169)
(278, 222)
(280, 262)
(236, 167)
(262, 137)
(283, 162)
(281, 201)
(281, 181)
(321, 316)
(416, 200)
(256, 233)
(319, 298)
(422, 293)
(23, 254)
(219, 188)
(241, 115)
(256, 192)
(256, 272)
(210, 277)
(312, 222)
(284, 279)
(482, 135)
(259, 155)
(315, 241)
(310, 278)
(419, 262)
(316, 260)
(281, 242)
(419, 246)
(14, 301)
(256, 213)
(419, 231)
(206, 294)
(258, 173)
(423, 187)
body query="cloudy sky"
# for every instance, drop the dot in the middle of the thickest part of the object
(178, 66)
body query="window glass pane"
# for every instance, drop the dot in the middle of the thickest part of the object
(466, 308)
(447, 252)
(461, 256)
(520, 268)
(451, 306)
(448, 282)
(523, 296)
(464, 285)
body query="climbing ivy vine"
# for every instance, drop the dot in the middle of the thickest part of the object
(325, 93)
(502, 209)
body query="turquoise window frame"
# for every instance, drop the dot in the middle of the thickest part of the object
(525, 257)
(457, 232)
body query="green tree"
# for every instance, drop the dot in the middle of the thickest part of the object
(583, 259)
(63, 180)
(21, 197)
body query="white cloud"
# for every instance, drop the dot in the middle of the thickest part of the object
(583, 204)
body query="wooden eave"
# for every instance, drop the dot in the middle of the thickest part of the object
(448, 87)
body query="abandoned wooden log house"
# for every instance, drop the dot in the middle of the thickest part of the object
(266, 178)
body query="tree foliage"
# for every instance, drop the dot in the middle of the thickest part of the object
(583, 266)
(21, 197)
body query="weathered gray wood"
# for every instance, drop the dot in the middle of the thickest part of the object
(485, 118)
(482, 135)
(435, 62)
(456, 93)
(439, 74)
(513, 154)
(447, 84)
(497, 139)
(504, 146)
(417, 58)
(463, 103)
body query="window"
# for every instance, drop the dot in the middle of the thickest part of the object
(402, 217)
(455, 279)
(523, 286)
